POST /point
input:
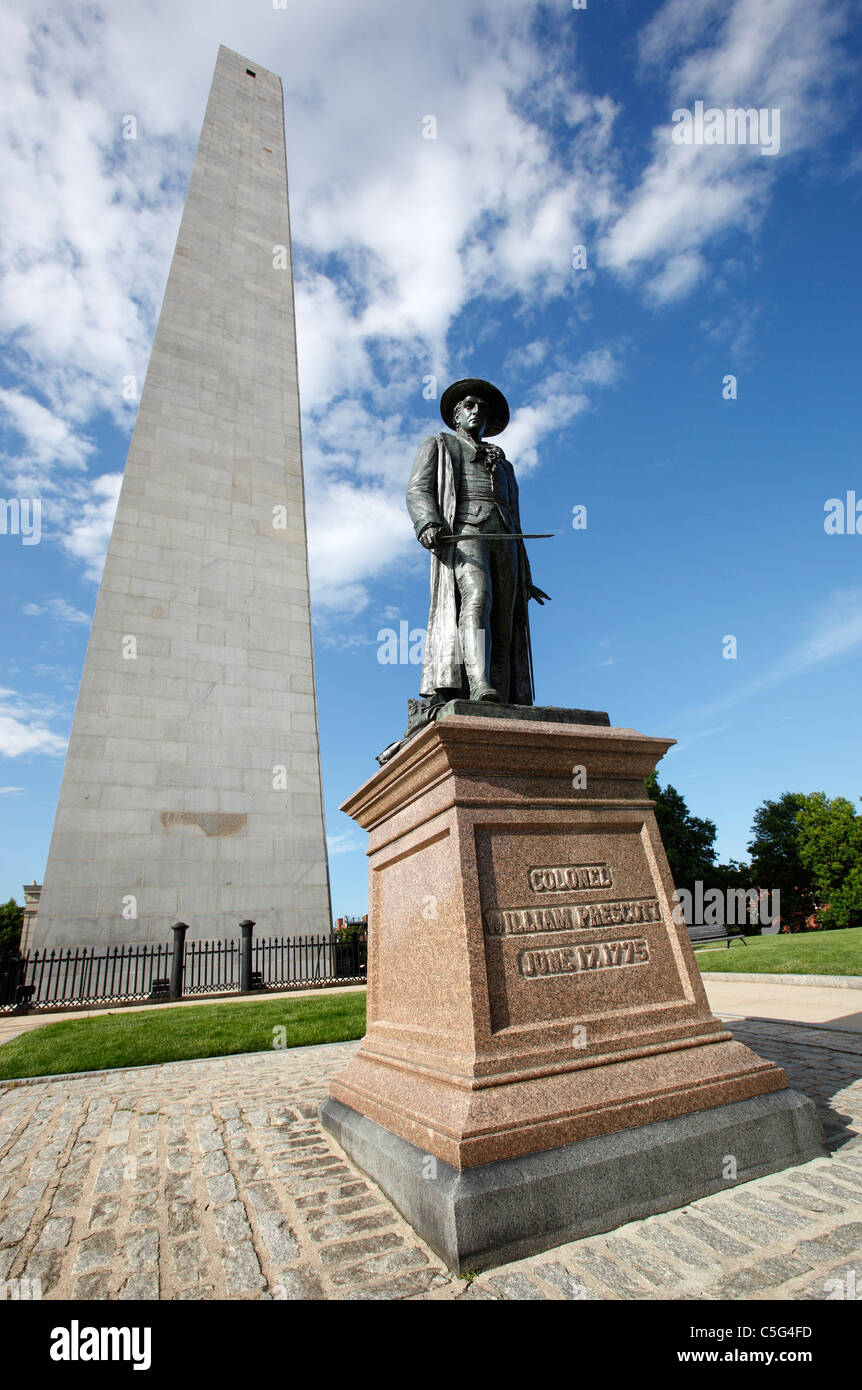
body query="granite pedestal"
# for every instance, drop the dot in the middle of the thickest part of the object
(540, 1061)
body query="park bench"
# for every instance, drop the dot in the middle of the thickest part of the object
(702, 934)
(161, 989)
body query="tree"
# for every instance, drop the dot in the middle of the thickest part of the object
(776, 862)
(688, 840)
(11, 922)
(830, 848)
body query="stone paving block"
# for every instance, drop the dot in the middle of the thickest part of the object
(294, 1284)
(99, 1285)
(412, 1284)
(262, 1196)
(242, 1270)
(347, 1250)
(820, 1183)
(143, 1284)
(649, 1267)
(142, 1208)
(55, 1234)
(713, 1236)
(341, 1228)
(208, 1137)
(231, 1223)
(805, 1201)
(14, 1226)
(331, 1198)
(68, 1197)
(93, 1251)
(103, 1213)
(44, 1168)
(839, 1241)
(182, 1218)
(676, 1247)
(189, 1259)
(278, 1238)
(405, 1257)
(110, 1175)
(142, 1249)
(841, 1283)
(257, 1119)
(744, 1223)
(30, 1194)
(221, 1189)
(214, 1164)
(567, 1284)
(516, 1287)
(771, 1272)
(615, 1277)
(790, 1220)
(249, 1170)
(47, 1267)
(846, 1173)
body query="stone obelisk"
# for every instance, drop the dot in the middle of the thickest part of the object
(192, 785)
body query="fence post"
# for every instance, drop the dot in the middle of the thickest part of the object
(179, 930)
(246, 928)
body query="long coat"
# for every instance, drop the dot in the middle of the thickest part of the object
(432, 496)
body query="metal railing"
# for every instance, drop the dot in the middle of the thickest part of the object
(81, 976)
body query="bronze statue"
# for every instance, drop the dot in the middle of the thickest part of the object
(463, 501)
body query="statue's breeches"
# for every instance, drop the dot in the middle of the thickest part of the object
(486, 573)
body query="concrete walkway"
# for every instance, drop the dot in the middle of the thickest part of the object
(214, 1180)
(766, 998)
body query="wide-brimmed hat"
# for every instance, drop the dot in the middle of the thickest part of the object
(498, 406)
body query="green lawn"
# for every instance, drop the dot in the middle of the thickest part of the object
(801, 953)
(127, 1039)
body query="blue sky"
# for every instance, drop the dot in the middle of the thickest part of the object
(442, 257)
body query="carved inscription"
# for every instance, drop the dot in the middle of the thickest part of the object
(569, 960)
(583, 916)
(619, 914)
(559, 878)
(528, 919)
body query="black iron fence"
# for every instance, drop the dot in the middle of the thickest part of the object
(78, 976)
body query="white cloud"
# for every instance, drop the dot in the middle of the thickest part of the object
(394, 235)
(88, 533)
(22, 727)
(346, 843)
(56, 608)
(554, 403)
(752, 53)
(48, 439)
(401, 243)
(521, 360)
(837, 632)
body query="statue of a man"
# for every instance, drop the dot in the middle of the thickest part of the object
(478, 643)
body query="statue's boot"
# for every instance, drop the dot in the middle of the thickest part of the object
(474, 646)
(484, 692)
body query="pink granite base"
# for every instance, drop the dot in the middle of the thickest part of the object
(528, 986)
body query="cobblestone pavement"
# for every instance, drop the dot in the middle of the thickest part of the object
(214, 1180)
